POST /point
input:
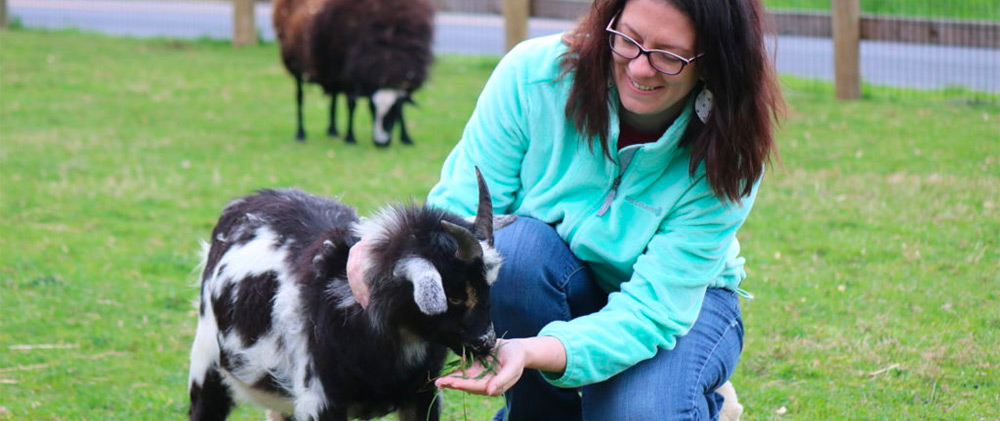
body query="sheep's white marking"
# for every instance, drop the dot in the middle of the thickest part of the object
(428, 291)
(384, 99)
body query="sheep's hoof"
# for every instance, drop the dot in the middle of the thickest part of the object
(300, 136)
(332, 133)
(406, 141)
(381, 145)
(350, 139)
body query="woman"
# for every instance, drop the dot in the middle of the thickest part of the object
(632, 150)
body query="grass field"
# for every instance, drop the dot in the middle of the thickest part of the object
(954, 9)
(872, 251)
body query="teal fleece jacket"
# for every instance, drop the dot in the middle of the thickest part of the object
(654, 235)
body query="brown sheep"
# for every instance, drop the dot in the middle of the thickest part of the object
(379, 49)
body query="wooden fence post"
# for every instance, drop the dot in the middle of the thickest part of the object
(846, 48)
(3, 14)
(515, 18)
(244, 31)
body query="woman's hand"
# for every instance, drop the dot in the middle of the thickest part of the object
(357, 269)
(510, 359)
(512, 356)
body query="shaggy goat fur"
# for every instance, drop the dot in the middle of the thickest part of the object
(379, 49)
(278, 324)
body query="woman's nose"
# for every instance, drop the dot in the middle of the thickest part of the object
(640, 66)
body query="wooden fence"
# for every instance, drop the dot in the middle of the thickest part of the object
(844, 23)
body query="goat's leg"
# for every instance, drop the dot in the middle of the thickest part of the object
(329, 413)
(425, 406)
(332, 130)
(300, 133)
(352, 102)
(731, 410)
(210, 398)
(403, 135)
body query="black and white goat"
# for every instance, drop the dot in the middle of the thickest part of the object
(278, 324)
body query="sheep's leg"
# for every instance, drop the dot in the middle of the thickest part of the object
(403, 135)
(300, 133)
(332, 130)
(210, 399)
(425, 406)
(352, 102)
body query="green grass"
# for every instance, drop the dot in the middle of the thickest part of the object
(872, 251)
(953, 9)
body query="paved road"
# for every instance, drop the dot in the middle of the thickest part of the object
(882, 63)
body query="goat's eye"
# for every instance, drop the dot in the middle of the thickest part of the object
(454, 301)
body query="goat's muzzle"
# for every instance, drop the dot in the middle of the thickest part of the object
(483, 345)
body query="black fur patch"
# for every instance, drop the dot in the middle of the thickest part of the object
(211, 400)
(222, 306)
(254, 306)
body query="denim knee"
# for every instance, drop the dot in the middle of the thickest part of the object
(679, 383)
(540, 280)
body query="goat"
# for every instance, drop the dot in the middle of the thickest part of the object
(278, 324)
(378, 49)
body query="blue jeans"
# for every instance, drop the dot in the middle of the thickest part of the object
(541, 281)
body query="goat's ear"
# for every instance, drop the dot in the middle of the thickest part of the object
(428, 291)
(468, 246)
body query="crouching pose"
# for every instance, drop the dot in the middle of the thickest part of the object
(633, 148)
(278, 324)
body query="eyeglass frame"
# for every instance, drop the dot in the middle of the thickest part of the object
(643, 50)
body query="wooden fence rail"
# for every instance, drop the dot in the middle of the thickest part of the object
(844, 23)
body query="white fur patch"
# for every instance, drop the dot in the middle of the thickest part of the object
(253, 258)
(491, 263)
(377, 227)
(311, 399)
(384, 100)
(428, 292)
(205, 350)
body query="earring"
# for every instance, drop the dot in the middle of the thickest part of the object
(703, 104)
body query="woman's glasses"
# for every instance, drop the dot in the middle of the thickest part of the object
(663, 61)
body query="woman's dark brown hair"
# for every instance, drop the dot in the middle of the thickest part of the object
(738, 138)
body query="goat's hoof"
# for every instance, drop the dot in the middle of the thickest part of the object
(332, 133)
(381, 145)
(406, 141)
(300, 137)
(350, 139)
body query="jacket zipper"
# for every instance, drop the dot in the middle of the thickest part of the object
(625, 157)
(610, 197)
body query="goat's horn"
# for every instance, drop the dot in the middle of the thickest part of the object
(483, 226)
(468, 245)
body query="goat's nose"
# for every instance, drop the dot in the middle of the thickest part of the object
(487, 341)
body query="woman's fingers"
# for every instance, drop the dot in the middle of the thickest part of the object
(509, 368)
